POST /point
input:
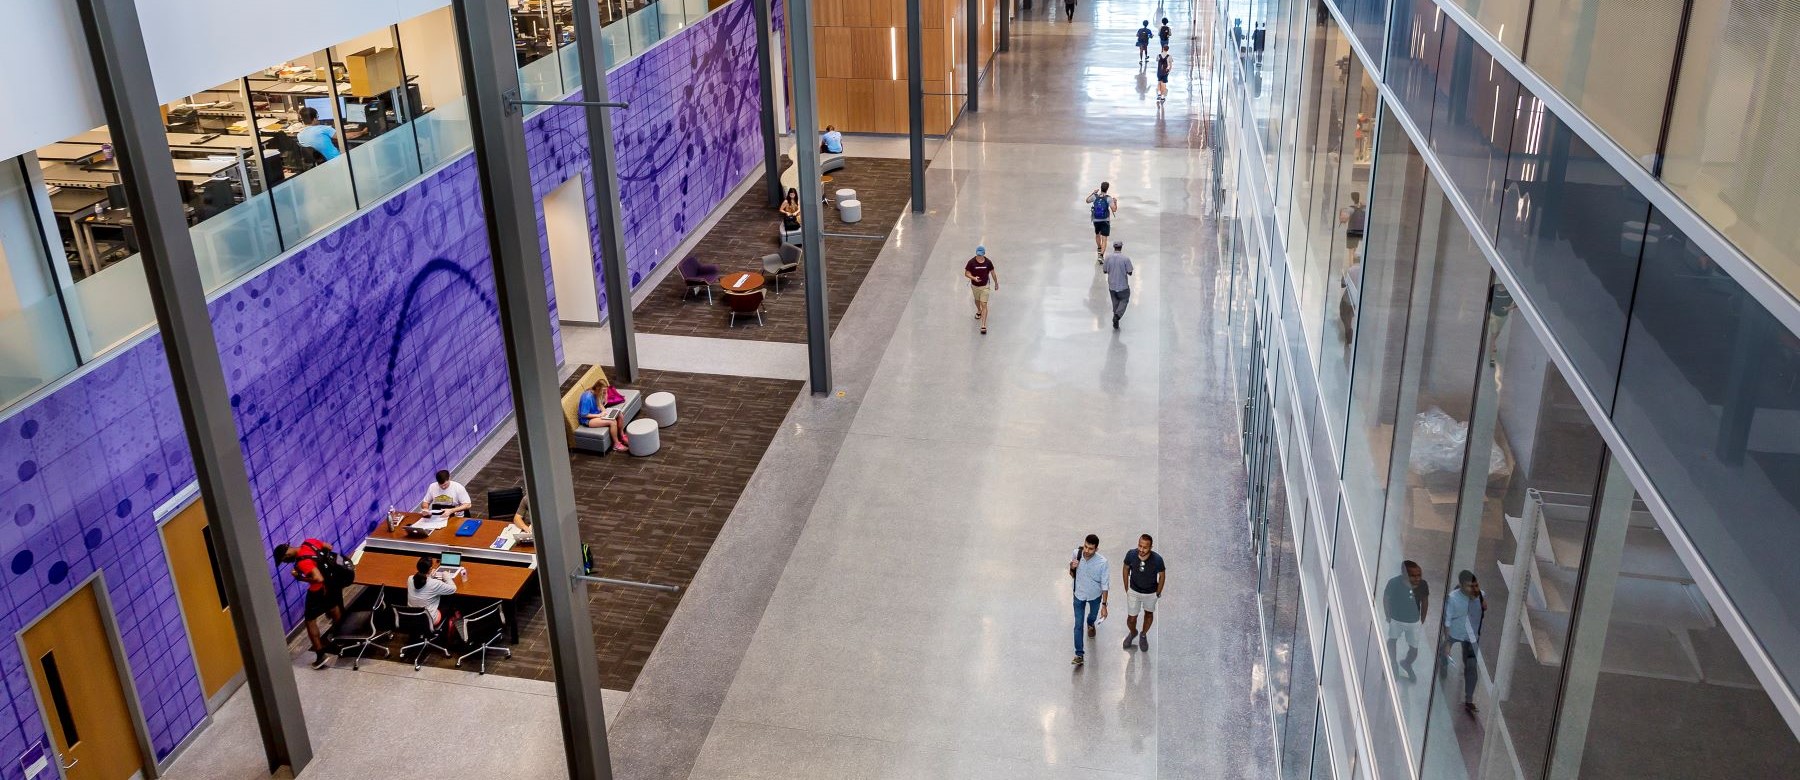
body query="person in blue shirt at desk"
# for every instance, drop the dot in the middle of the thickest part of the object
(831, 141)
(321, 138)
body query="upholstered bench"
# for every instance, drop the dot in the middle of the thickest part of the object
(588, 439)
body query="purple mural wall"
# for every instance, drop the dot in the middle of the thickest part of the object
(358, 365)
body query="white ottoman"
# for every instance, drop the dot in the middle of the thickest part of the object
(844, 195)
(645, 440)
(850, 211)
(661, 408)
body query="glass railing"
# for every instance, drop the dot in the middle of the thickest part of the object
(235, 241)
(305, 204)
(443, 134)
(384, 164)
(112, 306)
(35, 348)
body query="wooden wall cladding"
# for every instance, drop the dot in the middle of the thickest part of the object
(860, 48)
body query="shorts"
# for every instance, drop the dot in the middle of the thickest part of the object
(322, 601)
(1409, 634)
(1352, 240)
(1136, 602)
(981, 292)
(1162, 78)
(1103, 227)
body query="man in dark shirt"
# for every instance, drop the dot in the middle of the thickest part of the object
(983, 279)
(1144, 579)
(1405, 599)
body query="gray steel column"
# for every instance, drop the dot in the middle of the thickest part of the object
(490, 76)
(1586, 644)
(806, 156)
(765, 80)
(617, 277)
(973, 45)
(1005, 22)
(122, 72)
(915, 100)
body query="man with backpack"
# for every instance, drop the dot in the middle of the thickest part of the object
(1102, 207)
(1143, 42)
(1163, 33)
(326, 574)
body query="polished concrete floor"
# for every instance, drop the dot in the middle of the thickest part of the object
(887, 598)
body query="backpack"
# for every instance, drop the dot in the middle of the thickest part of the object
(337, 570)
(1164, 34)
(1103, 208)
(1143, 36)
(1164, 64)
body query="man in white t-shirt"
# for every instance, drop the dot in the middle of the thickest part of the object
(429, 586)
(446, 494)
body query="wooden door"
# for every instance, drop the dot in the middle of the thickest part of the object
(79, 690)
(200, 585)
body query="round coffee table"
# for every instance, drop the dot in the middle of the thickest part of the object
(741, 282)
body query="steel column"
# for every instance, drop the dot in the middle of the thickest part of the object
(806, 156)
(972, 10)
(765, 80)
(127, 94)
(1005, 22)
(490, 76)
(616, 276)
(915, 100)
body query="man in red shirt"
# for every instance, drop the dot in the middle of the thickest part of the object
(321, 597)
(983, 279)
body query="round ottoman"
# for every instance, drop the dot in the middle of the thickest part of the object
(661, 408)
(850, 211)
(844, 195)
(645, 440)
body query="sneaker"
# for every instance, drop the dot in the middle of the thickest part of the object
(1115, 323)
(1129, 639)
(319, 659)
(1091, 630)
(1078, 661)
(1144, 643)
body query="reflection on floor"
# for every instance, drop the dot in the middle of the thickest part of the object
(751, 229)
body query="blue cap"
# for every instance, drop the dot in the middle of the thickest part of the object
(981, 250)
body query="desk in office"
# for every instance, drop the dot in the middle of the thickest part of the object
(193, 170)
(445, 539)
(497, 581)
(62, 174)
(68, 152)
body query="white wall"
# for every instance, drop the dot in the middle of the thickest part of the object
(571, 256)
(427, 42)
(193, 44)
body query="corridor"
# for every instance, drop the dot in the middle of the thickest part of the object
(913, 620)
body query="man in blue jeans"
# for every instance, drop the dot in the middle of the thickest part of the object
(1088, 568)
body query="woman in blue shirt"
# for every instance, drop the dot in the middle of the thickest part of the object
(594, 414)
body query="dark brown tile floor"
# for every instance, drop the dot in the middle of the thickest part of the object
(649, 519)
(750, 229)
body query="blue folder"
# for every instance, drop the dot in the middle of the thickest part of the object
(468, 527)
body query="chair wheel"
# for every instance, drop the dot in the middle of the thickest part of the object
(509, 654)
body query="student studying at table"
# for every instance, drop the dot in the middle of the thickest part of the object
(429, 586)
(447, 495)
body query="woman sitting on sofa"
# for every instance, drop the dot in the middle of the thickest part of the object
(599, 411)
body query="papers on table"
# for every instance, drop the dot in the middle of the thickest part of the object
(431, 522)
(742, 279)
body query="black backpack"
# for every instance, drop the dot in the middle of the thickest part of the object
(337, 570)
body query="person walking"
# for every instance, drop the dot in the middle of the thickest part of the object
(1405, 600)
(1143, 42)
(1069, 9)
(1355, 219)
(984, 279)
(1164, 65)
(1144, 575)
(1088, 568)
(1164, 33)
(317, 565)
(1118, 270)
(1463, 610)
(1102, 207)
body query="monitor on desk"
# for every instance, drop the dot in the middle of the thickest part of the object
(321, 105)
(356, 113)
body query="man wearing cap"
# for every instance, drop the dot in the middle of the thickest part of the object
(983, 279)
(1118, 270)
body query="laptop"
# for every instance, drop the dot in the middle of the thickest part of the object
(450, 563)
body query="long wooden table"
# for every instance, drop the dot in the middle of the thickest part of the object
(479, 546)
(498, 581)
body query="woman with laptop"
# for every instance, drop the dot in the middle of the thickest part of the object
(429, 586)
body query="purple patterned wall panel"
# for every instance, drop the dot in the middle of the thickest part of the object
(358, 365)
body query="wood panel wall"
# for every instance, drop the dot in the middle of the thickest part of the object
(860, 55)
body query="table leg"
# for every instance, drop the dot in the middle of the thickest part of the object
(512, 619)
(84, 247)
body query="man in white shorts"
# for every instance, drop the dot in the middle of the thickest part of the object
(1405, 599)
(1144, 579)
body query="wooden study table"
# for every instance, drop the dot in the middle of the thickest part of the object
(498, 581)
(479, 546)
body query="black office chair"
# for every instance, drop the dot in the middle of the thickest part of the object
(481, 633)
(415, 623)
(502, 504)
(360, 631)
(216, 196)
